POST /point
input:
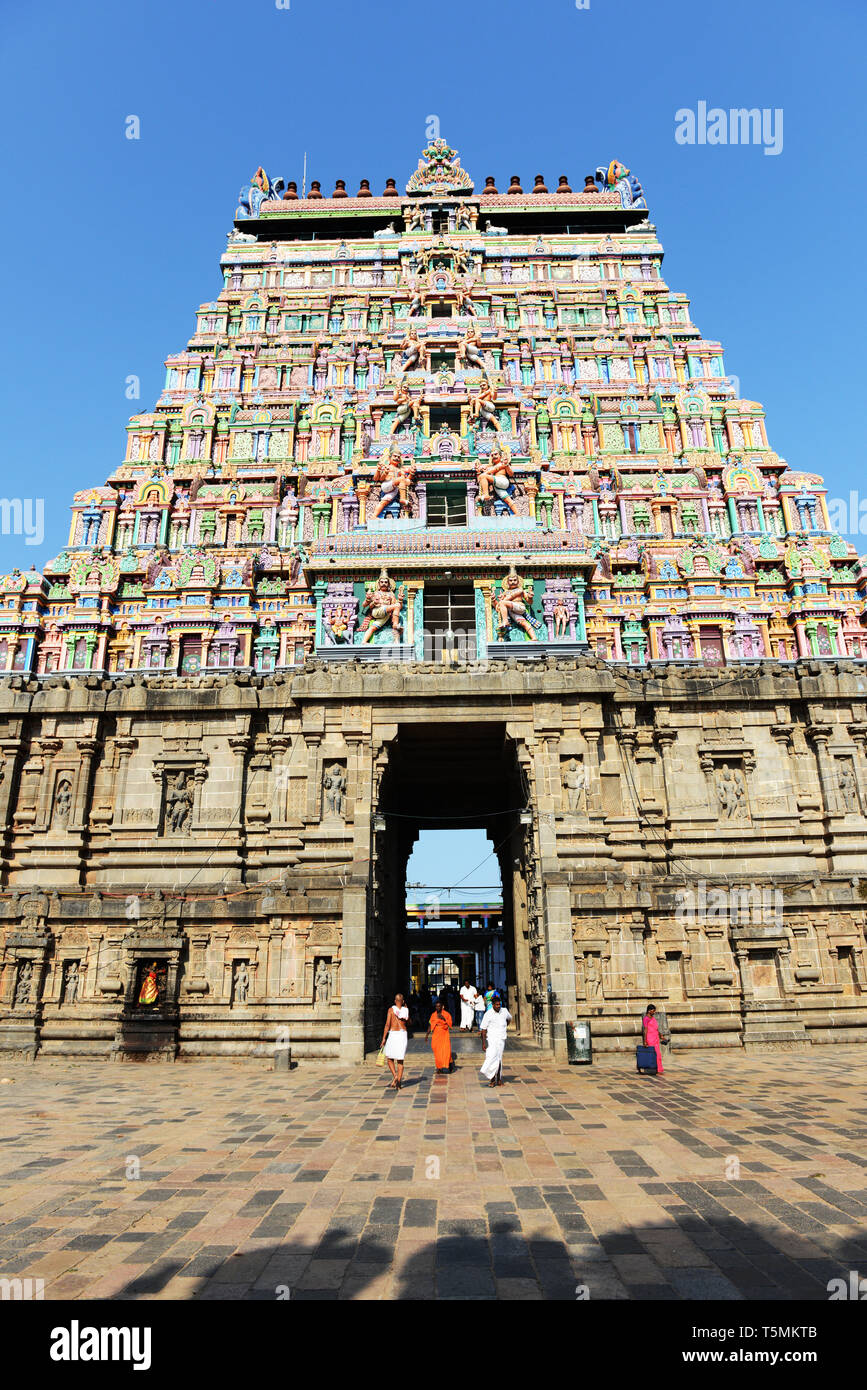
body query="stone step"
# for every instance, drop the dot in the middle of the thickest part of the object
(463, 1043)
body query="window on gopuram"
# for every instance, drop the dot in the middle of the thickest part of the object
(450, 623)
(446, 504)
(448, 415)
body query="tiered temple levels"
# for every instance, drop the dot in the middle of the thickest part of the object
(444, 426)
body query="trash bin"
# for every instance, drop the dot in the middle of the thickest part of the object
(579, 1044)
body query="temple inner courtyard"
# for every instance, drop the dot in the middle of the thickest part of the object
(730, 1177)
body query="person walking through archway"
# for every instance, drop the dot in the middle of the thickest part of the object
(481, 1008)
(493, 1035)
(394, 1040)
(438, 1031)
(468, 995)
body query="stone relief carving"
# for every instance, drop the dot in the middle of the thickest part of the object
(62, 802)
(24, 982)
(240, 983)
(179, 803)
(334, 786)
(593, 985)
(322, 982)
(848, 787)
(731, 793)
(70, 982)
(573, 785)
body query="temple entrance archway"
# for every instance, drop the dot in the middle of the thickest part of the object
(438, 776)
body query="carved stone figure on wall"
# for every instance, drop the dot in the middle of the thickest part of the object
(179, 803)
(24, 982)
(62, 802)
(70, 982)
(731, 793)
(847, 785)
(592, 977)
(335, 788)
(240, 983)
(573, 784)
(322, 983)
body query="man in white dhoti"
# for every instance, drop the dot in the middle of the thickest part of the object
(493, 1035)
(468, 997)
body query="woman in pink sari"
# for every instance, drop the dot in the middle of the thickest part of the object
(650, 1029)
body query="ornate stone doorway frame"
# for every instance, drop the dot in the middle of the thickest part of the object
(494, 789)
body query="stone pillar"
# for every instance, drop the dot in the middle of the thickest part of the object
(560, 957)
(124, 749)
(87, 747)
(819, 735)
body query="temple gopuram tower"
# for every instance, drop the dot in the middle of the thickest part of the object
(447, 514)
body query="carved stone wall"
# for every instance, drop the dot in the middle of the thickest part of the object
(697, 838)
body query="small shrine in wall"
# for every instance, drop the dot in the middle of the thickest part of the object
(464, 435)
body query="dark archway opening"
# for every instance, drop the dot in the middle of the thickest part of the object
(437, 777)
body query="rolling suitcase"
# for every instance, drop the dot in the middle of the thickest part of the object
(645, 1059)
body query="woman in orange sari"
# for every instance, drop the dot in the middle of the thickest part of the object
(438, 1031)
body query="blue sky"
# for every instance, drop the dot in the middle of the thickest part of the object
(110, 244)
(461, 860)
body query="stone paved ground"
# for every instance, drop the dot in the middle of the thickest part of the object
(325, 1186)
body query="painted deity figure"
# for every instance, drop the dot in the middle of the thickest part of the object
(483, 406)
(407, 408)
(416, 302)
(495, 479)
(465, 300)
(381, 608)
(514, 605)
(560, 614)
(465, 217)
(338, 624)
(470, 349)
(414, 356)
(395, 479)
(287, 517)
(362, 362)
(320, 366)
(149, 993)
